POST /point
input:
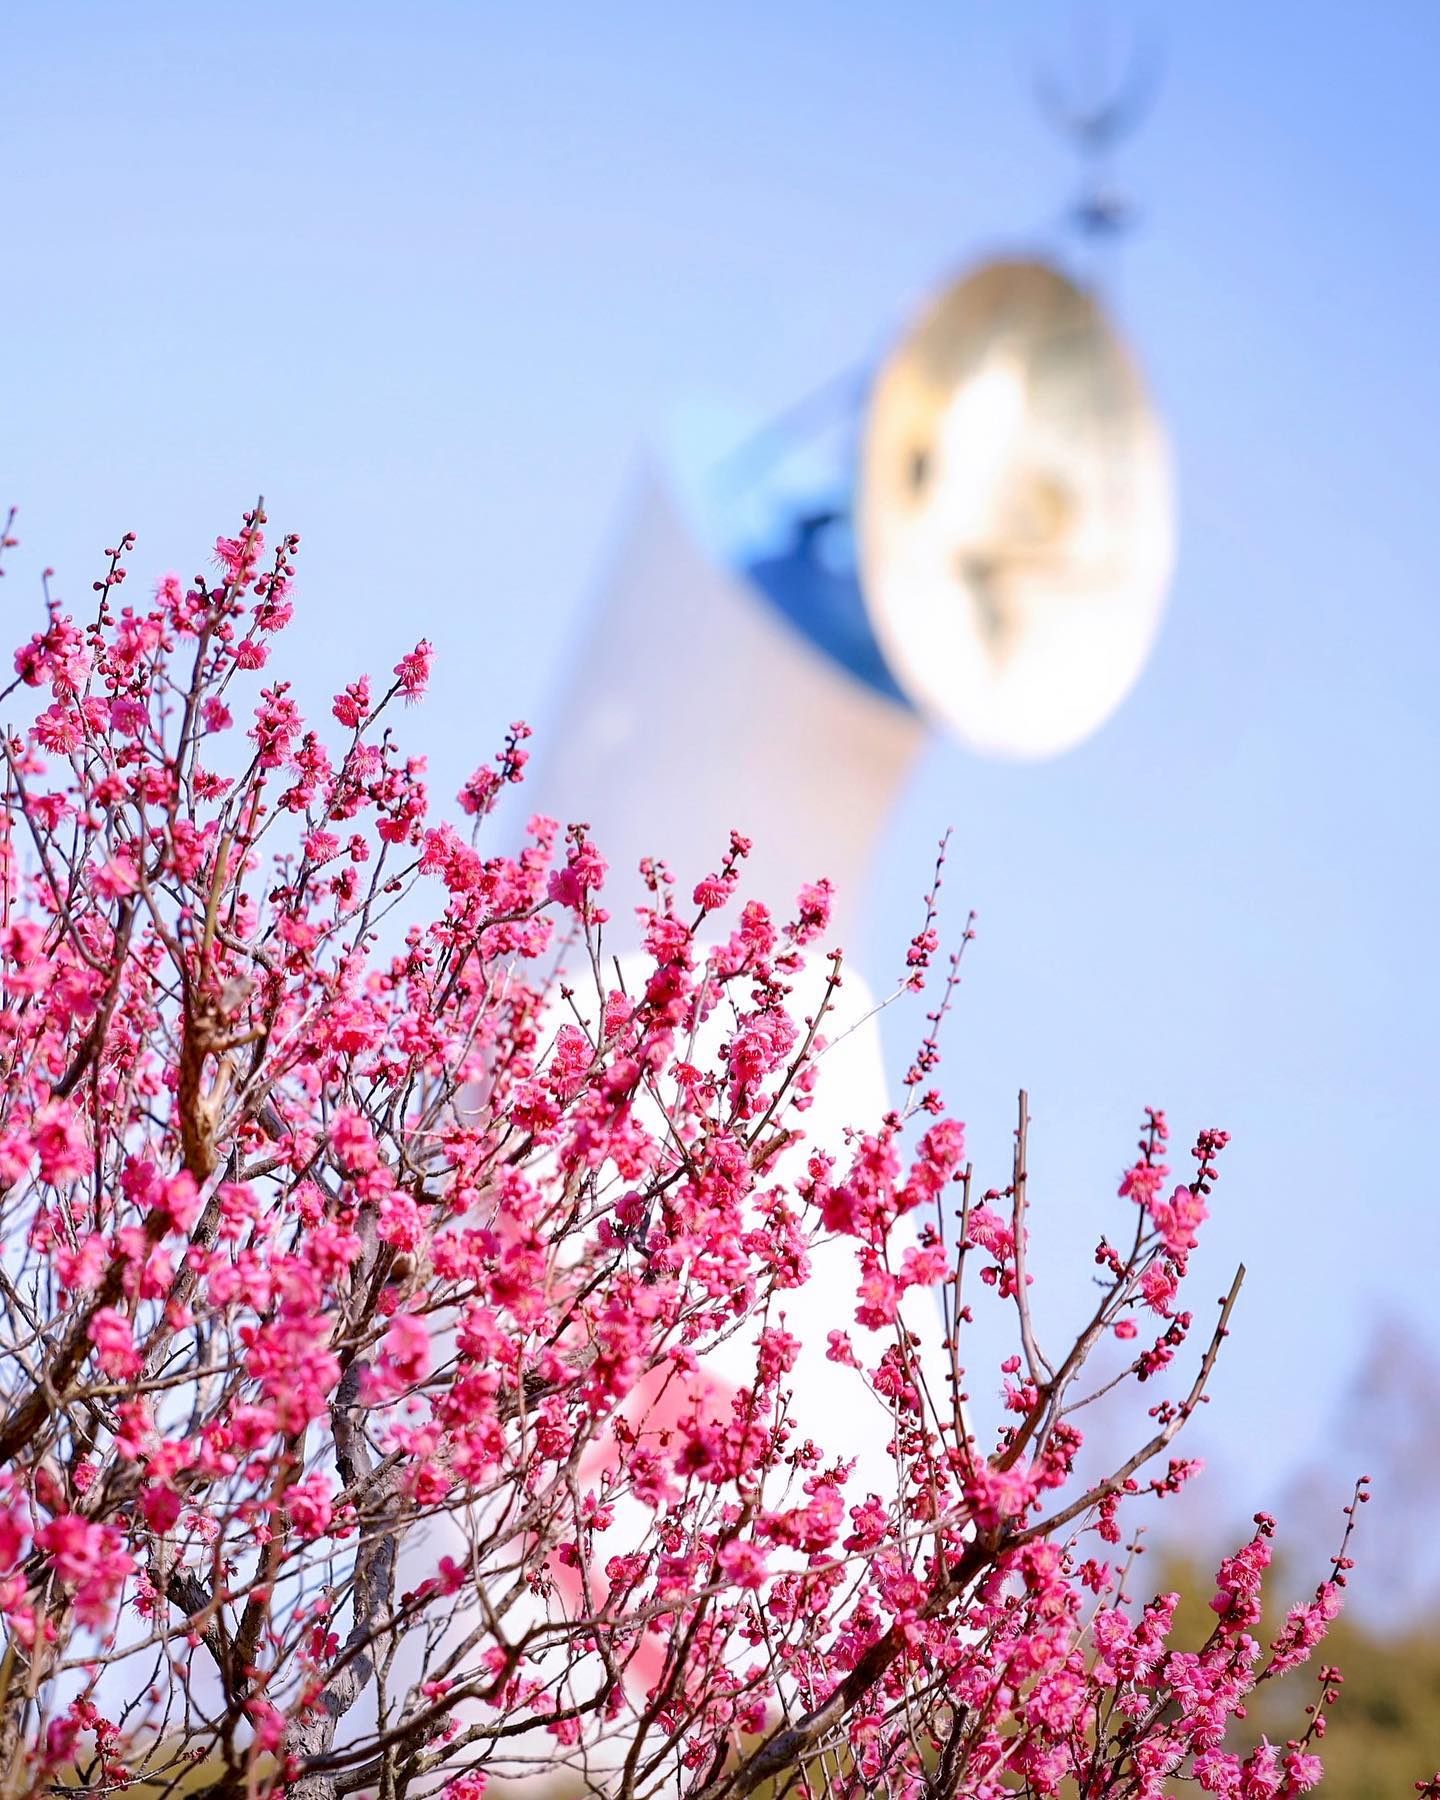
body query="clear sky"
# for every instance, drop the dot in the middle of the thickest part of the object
(432, 276)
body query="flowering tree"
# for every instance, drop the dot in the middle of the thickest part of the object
(366, 1235)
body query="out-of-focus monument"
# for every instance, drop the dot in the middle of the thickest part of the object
(984, 552)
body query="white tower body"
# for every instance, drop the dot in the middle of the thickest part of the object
(693, 707)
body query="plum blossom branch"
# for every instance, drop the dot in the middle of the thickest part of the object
(411, 1317)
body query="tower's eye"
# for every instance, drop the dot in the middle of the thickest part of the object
(919, 471)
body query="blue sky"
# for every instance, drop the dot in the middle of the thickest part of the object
(433, 278)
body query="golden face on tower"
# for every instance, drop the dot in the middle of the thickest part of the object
(1015, 515)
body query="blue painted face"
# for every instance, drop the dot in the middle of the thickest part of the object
(813, 584)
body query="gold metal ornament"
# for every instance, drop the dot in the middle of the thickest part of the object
(1015, 513)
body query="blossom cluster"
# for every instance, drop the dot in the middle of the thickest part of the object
(367, 1234)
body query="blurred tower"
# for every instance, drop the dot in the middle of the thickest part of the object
(974, 537)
